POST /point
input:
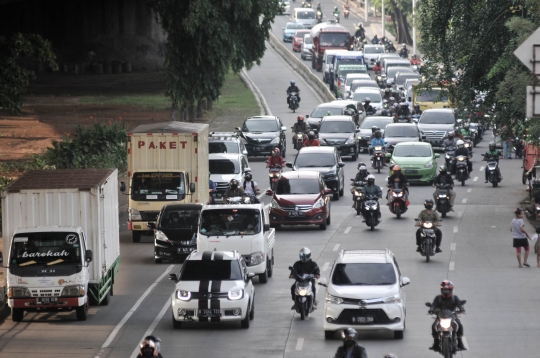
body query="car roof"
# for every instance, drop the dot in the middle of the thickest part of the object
(396, 60)
(378, 118)
(230, 156)
(182, 207)
(214, 256)
(224, 136)
(300, 174)
(360, 76)
(337, 118)
(363, 80)
(368, 89)
(421, 144)
(440, 110)
(303, 9)
(351, 67)
(345, 102)
(333, 104)
(365, 256)
(317, 150)
(305, 32)
(262, 117)
(402, 124)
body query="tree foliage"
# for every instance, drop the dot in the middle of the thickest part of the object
(17, 53)
(401, 13)
(206, 38)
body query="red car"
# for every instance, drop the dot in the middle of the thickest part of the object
(300, 198)
(298, 38)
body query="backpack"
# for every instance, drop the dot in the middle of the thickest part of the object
(252, 185)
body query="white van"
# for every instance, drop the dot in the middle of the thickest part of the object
(305, 16)
(328, 58)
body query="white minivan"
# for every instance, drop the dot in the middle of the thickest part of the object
(305, 16)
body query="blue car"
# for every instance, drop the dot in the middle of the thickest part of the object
(290, 29)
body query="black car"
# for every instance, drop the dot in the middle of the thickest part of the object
(175, 232)
(366, 129)
(325, 160)
(401, 132)
(262, 134)
(340, 132)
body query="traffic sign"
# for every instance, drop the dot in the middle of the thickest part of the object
(528, 53)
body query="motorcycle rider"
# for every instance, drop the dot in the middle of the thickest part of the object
(319, 8)
(416, 110)
(466, 130)
(275, 159)
(300, 126)
(233, 191)
(367, 106)
(306, 266)
(404, 110)
(371, 189)
(492, 154)
(150, 348)
(390, 47)
(375, 40)
(360, 32)
(311, 141)
(350, 348)
(336, 12)
(445, 178)
(250, 186)
(305, 4)
(447, 300)
(397, 177)
(404, 52)
(376, 141)
(428, 214)
(377, 68)
(449, 141)
(387, 94)
(414, 60)
(346, 6)
(461, 150)
(293, 88)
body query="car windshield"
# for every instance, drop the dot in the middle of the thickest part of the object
(375, 97)
(412, 151)
(295, 26)
(313, 160)
(254, 125)
(323, 111)
(381, 123)
(401, 78)
(209, 270)
(431, 96)
(297, 186)
(158, 186)
(401, 131)
(395, 69)
(174, 218)
(374, 49)
(437, 118)
(224, 166)
(329, 59)
(305, 15)
(301, 34)
(368, 274)
(336, 39)
(343, 72)
(226, 222)
(223, 147)
(307, 40)
(336, 127)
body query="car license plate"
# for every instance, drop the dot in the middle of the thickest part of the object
(219, 195)
(411, 171)
(260, 148)
(46, 300)
(296, 213)
(185, 250)
(209, 313)
(362, 319)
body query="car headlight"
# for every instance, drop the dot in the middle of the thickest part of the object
(350, 141)
(14, 292)
(445, 322)
(183, 295)
(256, 258)
(134, 215)
(275, 140)
(360, 137)
(392, 299)
(333, 299)
(75, 290)
(275, 204)
(161, 236)
(428, 165)
(318, 204)
(236, 295)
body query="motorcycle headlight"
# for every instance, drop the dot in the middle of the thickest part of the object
(392, 299)
(302, 291)
(134, 215)
(236, 295)
(350, 141)
(319, 203)
(442, 196)
(467, 145)
(256, 258)
(397, 195)
(428, 225)
(75, 290)
(275, 140)
(445, 323)
(333, 299)
(357, 193)
(275, 204)
(18, 292)
(161, 236)
(428, 165)
(183, 295)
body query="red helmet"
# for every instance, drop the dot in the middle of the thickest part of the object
(276, 150)
(300, 119)
(447, 288)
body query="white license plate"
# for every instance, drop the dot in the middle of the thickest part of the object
(46, 300)
(296, 213)
(209, 312)
(362, 319)
(184, 250)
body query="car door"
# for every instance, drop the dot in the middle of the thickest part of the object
(340, 170)
(402, 292)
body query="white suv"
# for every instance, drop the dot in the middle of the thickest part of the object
(213, 286)
(366, 292)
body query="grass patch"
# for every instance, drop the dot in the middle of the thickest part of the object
(235, 95)
(152, 101)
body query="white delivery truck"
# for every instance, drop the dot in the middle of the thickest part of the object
(239, 227)
(167, 164)
(61, 240)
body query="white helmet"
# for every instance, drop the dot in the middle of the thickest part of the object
(371, 177)
(460, 142)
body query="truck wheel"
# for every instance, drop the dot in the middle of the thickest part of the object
(270, 267)
(106, 300)
(176, 324)
(263, 277)
(82, 312)
(158, 261)
(17, 314)
(252, 312)
(136, 236)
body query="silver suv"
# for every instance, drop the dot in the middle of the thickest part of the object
(435, 124)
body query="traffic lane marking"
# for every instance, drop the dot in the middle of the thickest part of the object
(150, 329)
(299, 344)
(336, 247)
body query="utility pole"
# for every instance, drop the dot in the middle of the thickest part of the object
(383, 28)
(367, 7)
(414, 26)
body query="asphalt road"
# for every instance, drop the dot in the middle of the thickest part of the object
(502, 308)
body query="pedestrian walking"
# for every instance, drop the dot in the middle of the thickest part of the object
(537, 246)
(520, 236)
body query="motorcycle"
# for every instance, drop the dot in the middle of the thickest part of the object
(293, 101)
(429, 238)
(346, 13)
(319, 16)
(299, 139)
(303, 293)
(449, 153)
(404, 54)
(446, 328)
(494, 175)
(275, 173)
(372, 213)
(150, 347)
(403, 119)
(443, 198)
(356, 191)
(415, 118)
(336, 17)
(462, 170)
(397, 204)
(469, 144)
(378, 158)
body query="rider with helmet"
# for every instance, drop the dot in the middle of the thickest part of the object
(336, 11)
(428, 214)
(447, 300)
(312, 141)
(350, 347)
(377, 140)
(234, 190)
(390, 47)
(275, 159)
(250, 186)
(306, 266)
(150, 348)
(300, 127)
(293, 88)
(466, 130)
(377, 67)
(360, 32)
(371, 189)
(461, 150)
(362, 172)
(404, 110)
(367, 105)
(375, 40)
(449, 141)
(404, 52)
(416, 110)
(397, 177)
(414, 60)
(492, 154)
(445, 178)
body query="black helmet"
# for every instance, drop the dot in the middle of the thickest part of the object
(311, 135)
(233, 184)
(362, 170)
(442, 169)
(416, 105)
(305, 254)
(450, 134)
(491, 145)
(293, 83)
(378, 134)
(428, 204)
(248, 176)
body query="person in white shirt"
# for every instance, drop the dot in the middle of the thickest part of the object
(250, 186)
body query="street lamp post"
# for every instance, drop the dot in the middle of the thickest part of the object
(367, 7)
(383, 28)
(414, 26)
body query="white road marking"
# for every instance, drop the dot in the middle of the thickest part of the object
(482, 169)
(152, 326)
(347, 230)
(325, 266)
(452, 266)
(464, 201)
(464, 340)
(453, 246)
(469, 190)
(475, 179)
(460, 214)
(455, 229)
(336, 247)
(135, 307)
(299, 344)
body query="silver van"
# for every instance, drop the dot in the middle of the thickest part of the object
(305, 16)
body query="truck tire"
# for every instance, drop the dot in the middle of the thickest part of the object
(136, 236)
(328, 334)
(263, 277)
(82, 312)
(270, 266)
(107, 299)
(17, 314)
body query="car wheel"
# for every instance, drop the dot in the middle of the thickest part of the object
(252, 312)
(323, 226)
(263, 277)
(245, 322)
(342, 191)
(398, 334)
(176, 324)
(271, 265)
(355, 156)
(329, 334)
(17, 314)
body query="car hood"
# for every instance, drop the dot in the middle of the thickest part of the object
(322, 170)
(179, 234)
(290, 32)
(363, 292)
(224, 178)
(260, 136)
(226, 286)
(396, 140)
(335, 137)
(303, 199)
(435, 127)
(411, 160)
(307, 46)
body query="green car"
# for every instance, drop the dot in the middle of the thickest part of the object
(417, 161)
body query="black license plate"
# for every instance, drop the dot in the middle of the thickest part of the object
(296, 213)
(411, 171)
(209, 313)
(362, 320)
(185, 250)
(46, 300)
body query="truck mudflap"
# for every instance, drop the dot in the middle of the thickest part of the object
(46, 303)
(100, 292)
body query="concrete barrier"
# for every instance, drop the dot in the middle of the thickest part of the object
(303, 70)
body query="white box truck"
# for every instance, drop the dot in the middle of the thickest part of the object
(167, 164)
(61, 240)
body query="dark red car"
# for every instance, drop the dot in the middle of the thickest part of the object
(300, 198)
(298, 38)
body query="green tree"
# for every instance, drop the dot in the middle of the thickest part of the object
(400, 12)
(17, 53)
(206, 38)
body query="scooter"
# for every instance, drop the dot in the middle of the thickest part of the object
(429, 238)
(446, 327)
(303, 291)
(494, 174)
(346, 13)
(299, 139)
(372, 212)
(358, 197)
(462, 170)
(274, 173)
(443, 198)
(293, 101)
(319, 16)
(336, 18)
(397, 204)
(378, 158)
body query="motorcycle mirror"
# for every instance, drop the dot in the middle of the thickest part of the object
(237, 128)
(290, 267)
(428, 304)
(269, 192)
(250, 275)
(307, 115)
(288, 165)
(352, 179)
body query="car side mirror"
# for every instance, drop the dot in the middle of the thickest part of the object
(152, 226)
(437, 155)
(89, 256)
(327, 191)
(307, 115)
(266, 227)
(409, 99)
(122, 186)
(288, 165)
(283, 128)
(250, 275)
(322, 282)
(238, 129)
(192, 188)
(172, 277)
(405, 281)
(388, 155)
(341, 164)
(269, 192)
(245, 152)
